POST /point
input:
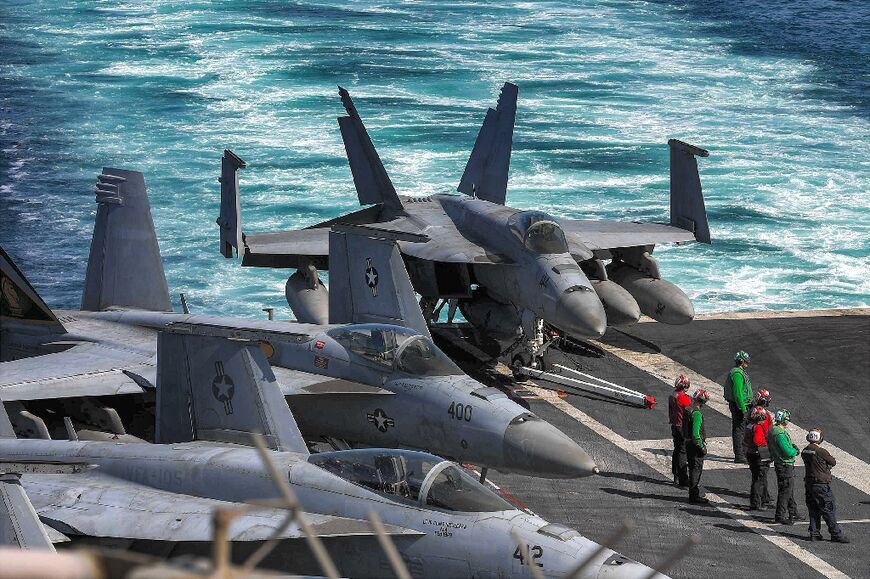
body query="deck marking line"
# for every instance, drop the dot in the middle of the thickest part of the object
(787, 545)
(850, 469)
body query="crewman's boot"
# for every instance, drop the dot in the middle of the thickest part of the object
(840, 539)
(816, 538)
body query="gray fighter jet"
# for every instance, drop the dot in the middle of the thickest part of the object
(505, 269)
(375, 383)
(212, 393)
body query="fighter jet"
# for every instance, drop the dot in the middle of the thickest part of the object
(506, 269)
(376, 383)
(212, 393)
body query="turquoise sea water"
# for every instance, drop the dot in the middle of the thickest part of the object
(778, 91)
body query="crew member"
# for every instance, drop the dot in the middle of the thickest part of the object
(820, 498)
(755, 445)
(738, 393)
(783, 451)
(678, 401)
(696, 443)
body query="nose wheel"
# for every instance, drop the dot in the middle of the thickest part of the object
(518, 364)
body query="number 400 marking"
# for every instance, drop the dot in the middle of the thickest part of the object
(460, 411)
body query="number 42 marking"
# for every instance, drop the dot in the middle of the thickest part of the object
(536, 553)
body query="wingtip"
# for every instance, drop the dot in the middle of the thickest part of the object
(347, 101)
(693, 149)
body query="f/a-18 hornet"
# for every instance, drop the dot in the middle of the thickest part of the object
(506, 269)
(212, 393)
(378, 383)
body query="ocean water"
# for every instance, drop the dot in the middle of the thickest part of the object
(776, 90)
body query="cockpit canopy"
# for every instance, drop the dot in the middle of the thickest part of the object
(396, 347)
(539, 232)
(413, 478)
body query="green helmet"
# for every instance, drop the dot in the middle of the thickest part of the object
(741, 356)
(782, 416)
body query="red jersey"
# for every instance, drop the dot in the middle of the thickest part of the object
(677, 402)
(755, 435)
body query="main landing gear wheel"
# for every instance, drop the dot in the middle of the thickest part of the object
(516, 364)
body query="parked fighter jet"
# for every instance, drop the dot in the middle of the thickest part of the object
(506, 269)
(212, 393)
(377, 384)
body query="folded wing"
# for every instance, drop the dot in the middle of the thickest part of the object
(93, 504)
(87, 369)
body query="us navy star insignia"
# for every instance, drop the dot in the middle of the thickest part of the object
(371, 277)
(380, 419)
(223, 388)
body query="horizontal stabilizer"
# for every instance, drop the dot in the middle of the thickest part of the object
(230, 218)
(19, 524)
(222, 390)
(19, 301)
(124, 266)
(687, 199)
(369, 282)
(486, 174)
(373, 185)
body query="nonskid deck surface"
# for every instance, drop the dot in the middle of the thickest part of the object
(816, 366)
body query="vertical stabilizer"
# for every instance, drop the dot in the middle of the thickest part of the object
(373, 185)
(6, 430)
(230, 219)
(220, 389)
(368, 279)
(687, 199)
(124, 267)
(20, 302)
(486, 174)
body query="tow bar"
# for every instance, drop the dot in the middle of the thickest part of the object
(575, 382)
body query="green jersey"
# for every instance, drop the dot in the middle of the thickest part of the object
(782, 449)
(739, 388)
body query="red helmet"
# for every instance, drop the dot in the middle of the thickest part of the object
(762, 397)
(681, 383)
(701, 395)
(758, 414)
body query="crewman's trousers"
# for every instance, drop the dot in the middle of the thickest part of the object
(696, 467)
(821, 504)
(679, 462)
(758, 493)
(738, 420)
(786, 508)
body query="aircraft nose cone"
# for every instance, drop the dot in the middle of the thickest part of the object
(619, 567)
(581, 314)
(535, 447)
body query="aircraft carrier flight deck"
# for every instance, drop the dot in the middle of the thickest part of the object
(816, 364)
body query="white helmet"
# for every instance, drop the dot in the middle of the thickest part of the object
(814, 435)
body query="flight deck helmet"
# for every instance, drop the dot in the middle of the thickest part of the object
(758, 414)
(762, 398)
(701, 396)
(782, 416)
(741, 357)
(681, 383)
(815, 435)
